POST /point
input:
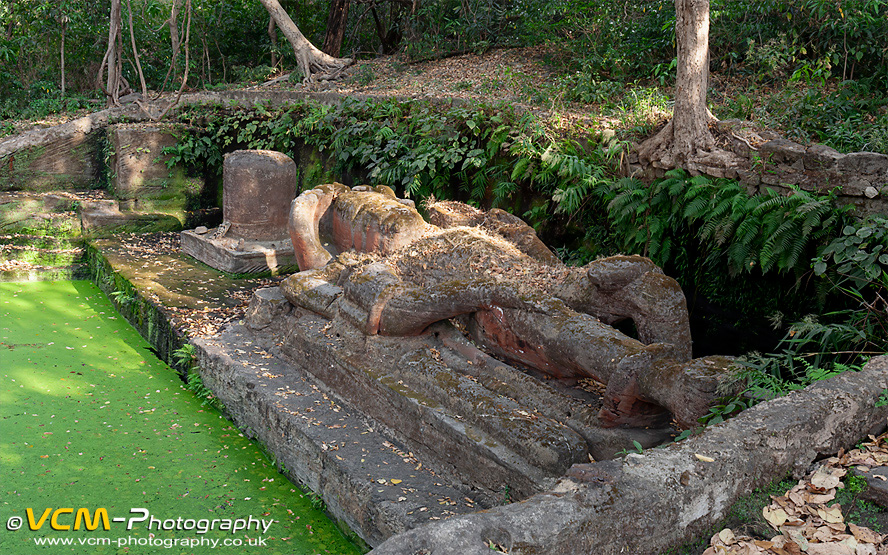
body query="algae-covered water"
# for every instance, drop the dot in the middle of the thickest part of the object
(90, 419)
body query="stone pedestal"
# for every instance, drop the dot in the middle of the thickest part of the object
(257, 189)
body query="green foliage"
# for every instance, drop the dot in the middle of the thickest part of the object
(316, 501)
(123, 297)
(767, 231)
(859, 255)
(185, 356)
(412, 147)
(205, 394)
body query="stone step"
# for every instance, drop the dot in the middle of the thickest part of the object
(484, 424)
(375, 484)
(19, 271)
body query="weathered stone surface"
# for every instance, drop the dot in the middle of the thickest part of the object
(68, 162)
(527, 309)
(782, 150)
(140, 177)
(669, 495)
(266, 306)
(856, 187)
(869, 163)
(465, 431)
(236, 255)
(104, 216)
(366, 478)
(334, 218)
(876, 484)
(447, 214)
(258, 186)
(821, 157)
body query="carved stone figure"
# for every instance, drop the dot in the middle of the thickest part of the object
(397, 275)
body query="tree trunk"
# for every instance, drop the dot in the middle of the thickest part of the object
(336, 26)
(688, 133)
(132, 32)
(311, 60)
(112, 58)
(64, 22)
(691, 118)
(272, 34)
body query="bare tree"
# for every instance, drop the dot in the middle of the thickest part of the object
(687, 138)
(112, 59)
(311, 60)
(129, 9)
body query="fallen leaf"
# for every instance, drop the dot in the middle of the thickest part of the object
(828, 549)
(831, 515)
(704, 458)
(395, 481)
(821, 497)
(864, 535)
(727, 536)
(775, 517)
(796, 537)
(823, 534)
(825, 478)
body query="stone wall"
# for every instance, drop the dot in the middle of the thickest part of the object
(766, 160)
(140, 178)
(69, 162)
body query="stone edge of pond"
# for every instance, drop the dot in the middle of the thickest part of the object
(148, 318)
(366, 480)
(649, 502)
(259, 406)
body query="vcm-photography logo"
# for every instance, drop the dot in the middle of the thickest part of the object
(65, 519)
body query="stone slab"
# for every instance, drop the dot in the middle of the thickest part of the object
(138, 164)
(64, 163)
(367, 478)
(239, 255)
(105, 217)
(669, 495)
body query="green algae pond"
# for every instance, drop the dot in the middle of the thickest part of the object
(104, 451)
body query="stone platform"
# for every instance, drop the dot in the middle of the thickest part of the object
(484, 425)
(239, 255)
(374, 481)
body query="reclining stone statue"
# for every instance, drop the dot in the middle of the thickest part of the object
(396, 275)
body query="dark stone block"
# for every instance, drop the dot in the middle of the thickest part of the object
(782, 150)
(876, 485)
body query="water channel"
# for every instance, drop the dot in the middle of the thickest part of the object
(91, 419)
